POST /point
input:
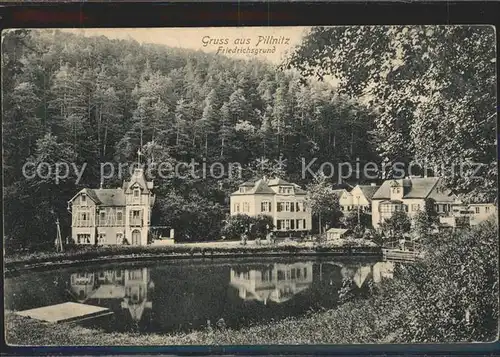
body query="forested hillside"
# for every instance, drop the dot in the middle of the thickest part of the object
(92, 100)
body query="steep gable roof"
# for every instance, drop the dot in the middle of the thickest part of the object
(278, 181)
(340, 192)
(90, 193)
(259, 186)
(110, 196)
(262, 186)
(139, 178)
(368, 190)
(419, 187)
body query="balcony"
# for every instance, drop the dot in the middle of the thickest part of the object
(136, 222)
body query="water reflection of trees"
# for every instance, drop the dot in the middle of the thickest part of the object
(281, 282)
(132, 287)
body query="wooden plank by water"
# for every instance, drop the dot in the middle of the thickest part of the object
(65, 312)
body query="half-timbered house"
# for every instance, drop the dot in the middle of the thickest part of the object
(107, 216)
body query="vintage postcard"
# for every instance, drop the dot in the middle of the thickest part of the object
(250, 185)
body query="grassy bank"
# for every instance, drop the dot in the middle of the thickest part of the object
(217, 249)
(353, 322)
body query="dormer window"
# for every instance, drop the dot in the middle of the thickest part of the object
(242, 189)
(285, 190)
(136, 193)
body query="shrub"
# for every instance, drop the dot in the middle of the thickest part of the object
(256, 226)
(452, 294)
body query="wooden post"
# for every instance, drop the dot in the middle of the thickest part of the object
(59, 243)
(358, 211)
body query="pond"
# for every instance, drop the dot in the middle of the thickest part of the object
(177, 296)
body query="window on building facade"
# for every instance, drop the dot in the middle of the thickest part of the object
(102, 217)
(135, 218)
(246, 207)
(285, 190)
(135, 274)
(391, 207)
(83, 238)
(292, 224)
(236, 207)
(242, 189)
(136, 193)
(477, 210)
(299, 224)
(119, 216)
(84, 198)
(265, 206)
(486, 209)
(287, 206)
(102, 238)
(283, 224)
(415, 207)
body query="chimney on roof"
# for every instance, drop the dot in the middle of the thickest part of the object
(101, 183)
(264, 178)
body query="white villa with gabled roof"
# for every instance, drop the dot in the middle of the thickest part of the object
(410, 195)
(285, 202)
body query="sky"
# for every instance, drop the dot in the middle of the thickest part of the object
(279, 40)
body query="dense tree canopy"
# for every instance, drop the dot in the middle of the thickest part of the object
(100, 100)
(433, 89)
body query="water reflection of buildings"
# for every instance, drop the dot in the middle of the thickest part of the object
(360, 274)
(277, 282)
(131, 286)
(280, 282)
